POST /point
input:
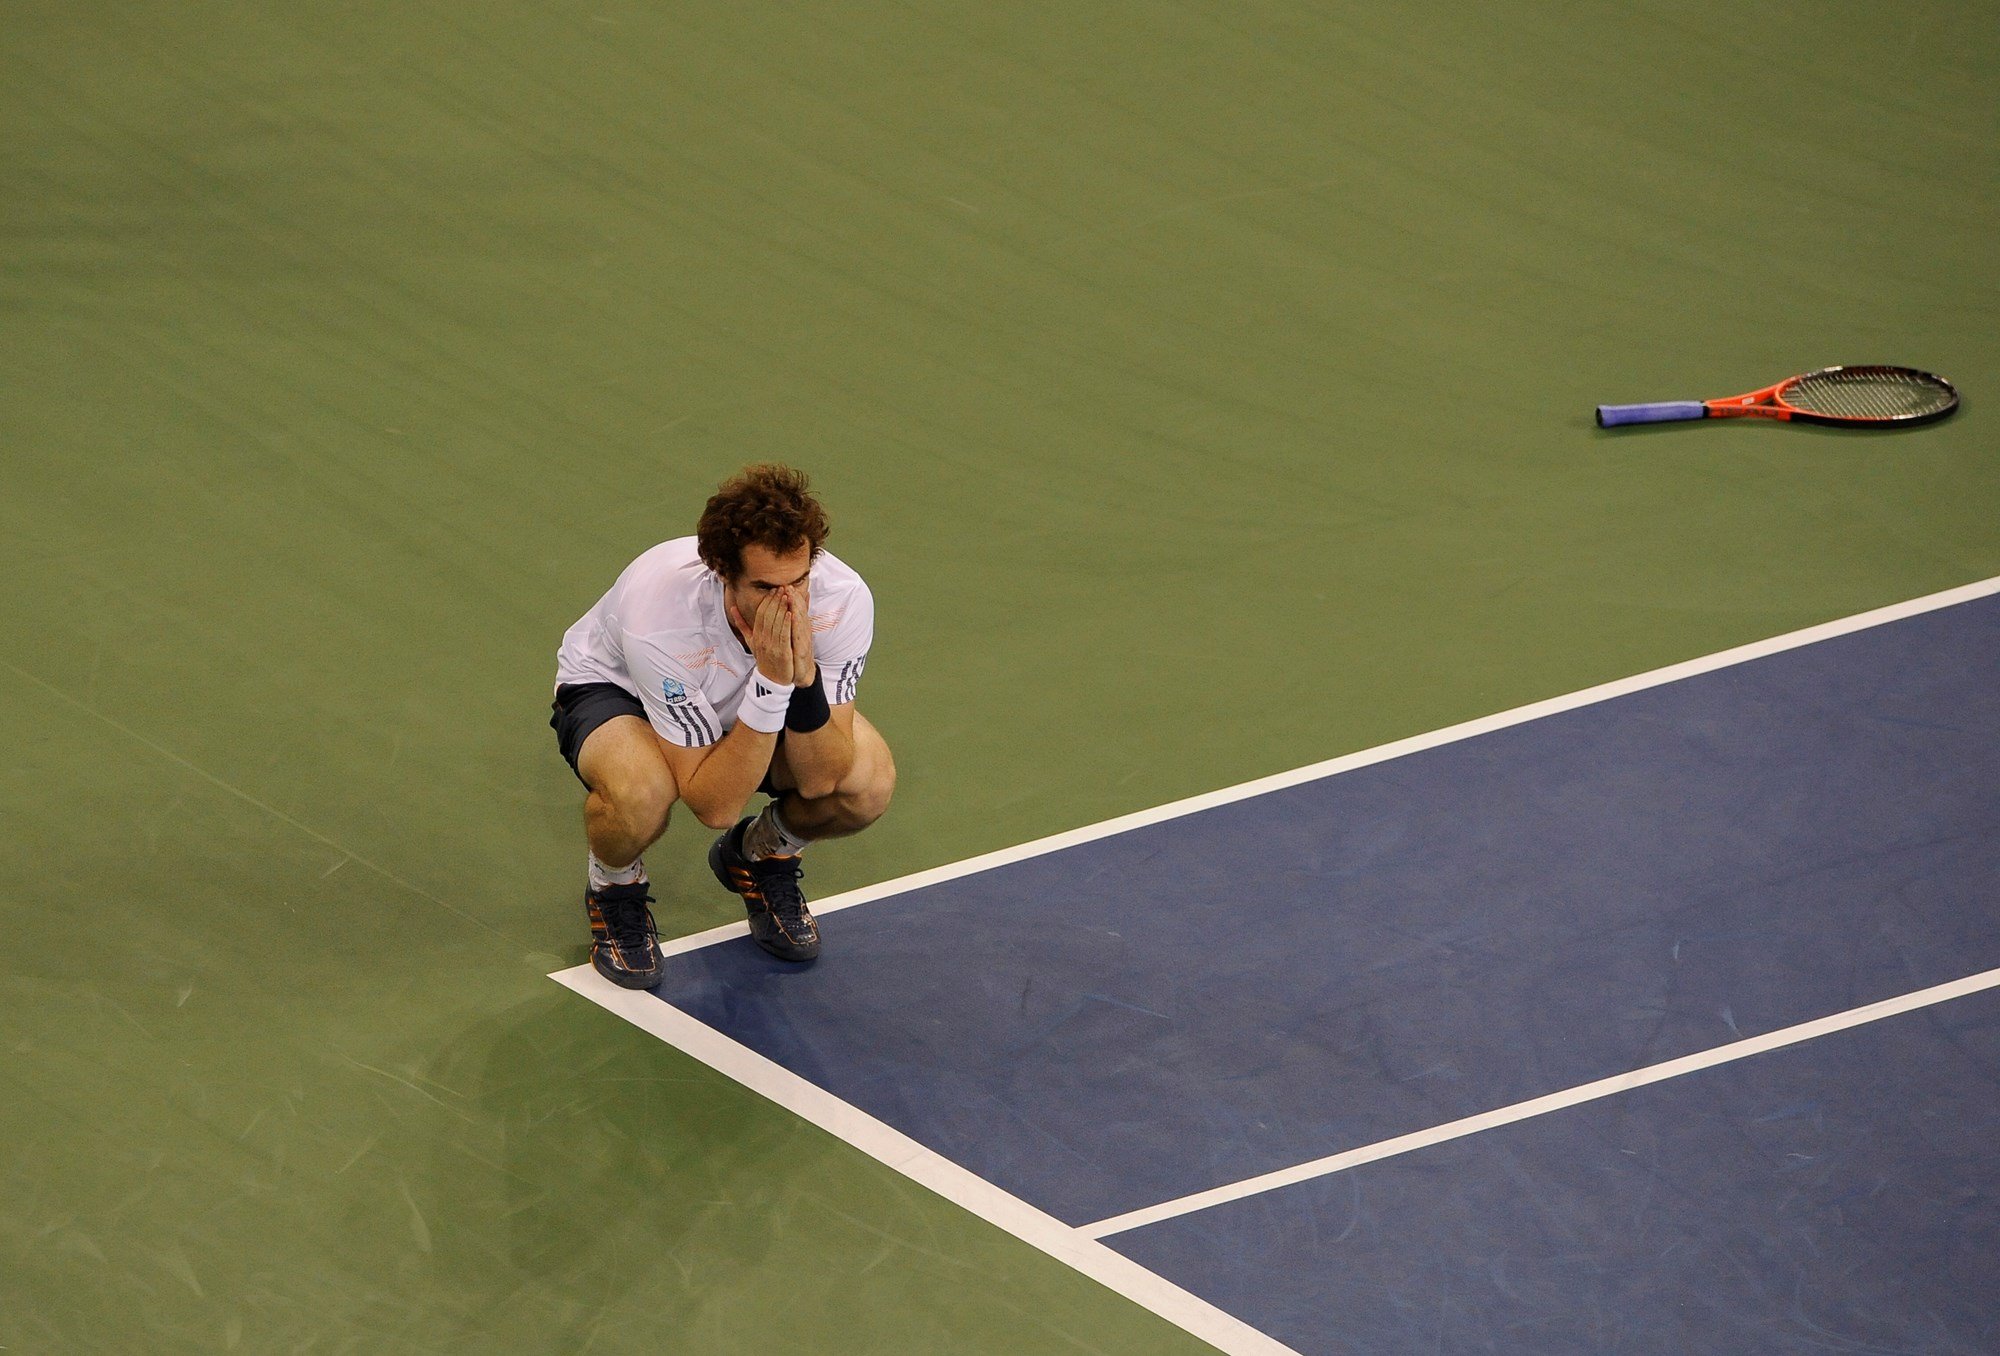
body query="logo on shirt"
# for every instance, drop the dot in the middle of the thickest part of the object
(673, 689)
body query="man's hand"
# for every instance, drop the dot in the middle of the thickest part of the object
(804, 669)
(771, 636)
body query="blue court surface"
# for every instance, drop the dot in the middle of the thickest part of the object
(1194, 1003)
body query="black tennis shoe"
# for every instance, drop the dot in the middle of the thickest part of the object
(779, 918)
(625, 944)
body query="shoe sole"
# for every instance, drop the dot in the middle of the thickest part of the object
(624, 979)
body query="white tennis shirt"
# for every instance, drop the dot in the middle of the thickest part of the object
(662, 634)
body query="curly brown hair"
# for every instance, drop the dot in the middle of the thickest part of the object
(763, 505)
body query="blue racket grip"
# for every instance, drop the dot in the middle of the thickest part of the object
(1664, 412)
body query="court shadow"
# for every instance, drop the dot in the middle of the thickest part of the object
(598, 1188)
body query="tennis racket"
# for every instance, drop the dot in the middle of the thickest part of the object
(1853, 397)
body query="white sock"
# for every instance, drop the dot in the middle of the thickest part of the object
(602, 875)
(767, 836)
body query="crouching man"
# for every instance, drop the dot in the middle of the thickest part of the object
(718, 666)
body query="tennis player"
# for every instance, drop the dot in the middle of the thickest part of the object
(718, 666)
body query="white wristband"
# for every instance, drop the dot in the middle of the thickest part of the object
(764, 703)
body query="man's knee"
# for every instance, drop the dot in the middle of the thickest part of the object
(642, 804)
(629, 776)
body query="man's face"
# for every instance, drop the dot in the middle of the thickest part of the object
(764, 572)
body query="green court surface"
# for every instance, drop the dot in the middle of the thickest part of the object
(1204, 390)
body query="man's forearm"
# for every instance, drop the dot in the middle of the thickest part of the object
(729, 776)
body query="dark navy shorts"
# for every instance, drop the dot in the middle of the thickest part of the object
(579, 708)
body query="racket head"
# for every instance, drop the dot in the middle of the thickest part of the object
(1867, 397)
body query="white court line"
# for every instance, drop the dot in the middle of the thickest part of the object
(1541, 1106)
(1451, 734)
(1224, 1332)
(1081, 1248)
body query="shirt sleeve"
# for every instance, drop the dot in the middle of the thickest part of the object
(841, 648)
(674, 703)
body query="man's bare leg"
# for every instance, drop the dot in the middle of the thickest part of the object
(859, 800)
(764, 868)
(632, 791)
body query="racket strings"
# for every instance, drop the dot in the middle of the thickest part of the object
(1888, 393)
